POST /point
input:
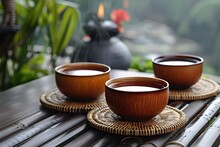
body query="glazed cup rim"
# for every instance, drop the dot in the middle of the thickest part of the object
(108, 83)
(174, 57)
(83, 63)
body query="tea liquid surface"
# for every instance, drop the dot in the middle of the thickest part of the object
(83, 72)
(136, 88)
(176, 62)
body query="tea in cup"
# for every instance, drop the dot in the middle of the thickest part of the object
(136, 98)
(180, 71)
(82, 81)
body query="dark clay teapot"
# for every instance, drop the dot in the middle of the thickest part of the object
(103, 45)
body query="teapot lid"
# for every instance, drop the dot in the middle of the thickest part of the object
(99, 29)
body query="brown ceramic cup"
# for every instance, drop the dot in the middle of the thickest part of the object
(136, 98)
(82, 81)
(180, 71)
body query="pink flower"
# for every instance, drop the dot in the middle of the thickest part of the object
(119, 16)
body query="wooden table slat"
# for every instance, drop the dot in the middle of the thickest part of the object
(22, 124)
(107, 140)
(54, 131)
(193, 130)
(85, 139)
(33, 130)
(209, 137)
(66, 136)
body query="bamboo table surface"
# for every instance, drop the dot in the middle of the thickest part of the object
(25, 122)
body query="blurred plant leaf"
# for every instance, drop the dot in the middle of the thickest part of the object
(141, 64)
(21, 10)
(204, 11)
(30, 71)
(62, 30)
(67, 28)
(37, 59)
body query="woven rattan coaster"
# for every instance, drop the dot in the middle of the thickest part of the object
(57, 101)
(168, 120)
(203, 89)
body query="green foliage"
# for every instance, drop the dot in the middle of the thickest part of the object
(29, 71)
(201, 12)
(216, 51)
(205, 11)
(60, 30)
(174, 10)
(51, 21)
(208, 69)
(141, 64)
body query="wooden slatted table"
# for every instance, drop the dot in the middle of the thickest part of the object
(25, 122)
